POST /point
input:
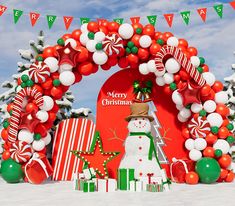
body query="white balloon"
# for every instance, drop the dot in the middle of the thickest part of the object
(160, 81)
(172, 66)
(209, 77)
(65, 67)
(72, 42)
(145, 41)
(168, 78)
(179, 106)
(143, 69)
(99, 36)
(181, 119)
(195, 107)
(90, 45)
(26, 136)
(84, 28)
(172, 41)
(177, 98)
(100, 57)
(1, 150)
(200, 144)
(84, 38)
(38, 145)
(52, 63)
(151, 66)
(160, 73)
(195, 155)
(223, 145)
(189, 144)
(185, 113)
(47, 139)
(195, 61)
(67, 78)
(215, 119)
(42, 115)
(126, 31)
(209, 106)
(221, 97)
(48, 103)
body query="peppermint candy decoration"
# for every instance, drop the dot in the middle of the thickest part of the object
(112, 44)
(198, 127)
(39, 72)
(21, 151)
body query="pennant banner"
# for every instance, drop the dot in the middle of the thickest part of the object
(135, 20)
(67, 21)
(169, 19)
(34, 17)
(219, 10)
(84, 20)
(202, 12)
(152, 19)
(17, 14)
(185, 15)
(232, 4)
(50, 20)
(119, 20)
(2, 9)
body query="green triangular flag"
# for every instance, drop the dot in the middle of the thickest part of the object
(50, 20)
(84, 20)
(185, 15)
(17, 15)
(152, 19)
(119, 20)
(219, 10)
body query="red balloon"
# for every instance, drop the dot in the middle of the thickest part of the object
(222, 109)
(113, 26)
(56, 47)
(30, 107)
(157, 34)
(41, 129)
(225, 161)
(183, 49)
(57, 93)
(123, 62)
(149, 30)
(48, 84)
(9, 107)
(52, 117)
(85, 68)
(93, 26)
(105, 66)
(205, 68)
(167, 90)
(38, 88)
(55, 108)
(185, 133)
(167, 35)
(104, 30)
(143, 54)
(223, 132)
(55, 75)
(211, 138)
(184, 75)
(76, 34)
(6, 155)
(205, 90)
(192, 51)
(133, 59)
(83, 55)
(191, 178)
(112, 60)
(183, 43)
(230, 177)
(4, 134)
(223, 173)
(218, 86)
(137, 26)
(211, 96)
(176, 78)
(135, 39)
(209, 152)
(49, 52)
(155, 48)
(66, 36)
(95, 68)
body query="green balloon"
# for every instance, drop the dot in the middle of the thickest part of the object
(208, 170)
(11, 171)
(218, 152)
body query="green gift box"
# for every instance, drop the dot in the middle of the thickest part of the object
(124, 178)
(154, 187)
(89, 186)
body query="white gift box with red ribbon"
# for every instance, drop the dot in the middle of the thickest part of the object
(106, 185)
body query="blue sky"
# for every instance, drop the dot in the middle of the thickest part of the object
(214, 39)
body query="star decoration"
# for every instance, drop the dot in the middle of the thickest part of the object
(190, 93)
(96, 158)
(67, 55)
(29, 121)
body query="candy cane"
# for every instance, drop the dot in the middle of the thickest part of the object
(17, 106)
(182, 59)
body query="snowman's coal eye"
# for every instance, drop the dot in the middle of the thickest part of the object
(135, 118)
(143, 118)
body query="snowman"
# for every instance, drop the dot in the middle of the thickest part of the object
(140, 152)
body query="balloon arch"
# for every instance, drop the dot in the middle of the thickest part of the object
(199, 98)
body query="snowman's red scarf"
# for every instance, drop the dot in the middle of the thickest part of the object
(152, 148)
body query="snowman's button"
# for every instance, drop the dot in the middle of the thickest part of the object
(140, 137)
(140, 148)
(140, 173)
(140, 160)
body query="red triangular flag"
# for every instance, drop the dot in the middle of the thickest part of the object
(232, 4)
(169, 19)
(2, 9)
(67, 21)
(100, 21)
(34, 17)
(202, 13)
(135, 19)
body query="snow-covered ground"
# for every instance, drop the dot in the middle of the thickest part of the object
(61, 193)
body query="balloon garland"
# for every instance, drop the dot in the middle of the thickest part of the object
(183, 75)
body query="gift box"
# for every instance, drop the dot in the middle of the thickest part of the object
(179, 168)
(106, 185)
(165, 181)
(89, 173)
(71, 134)
(124, 178)
(136, 186)
(89, 186)
(78, 180)
(149, 180)
(154, 187)
(38, 169)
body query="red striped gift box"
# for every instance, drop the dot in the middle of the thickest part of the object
(71, 134)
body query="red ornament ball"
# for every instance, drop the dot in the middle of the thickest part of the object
(191, 178)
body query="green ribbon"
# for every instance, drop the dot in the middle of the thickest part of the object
(152, 148)
(168, 181)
